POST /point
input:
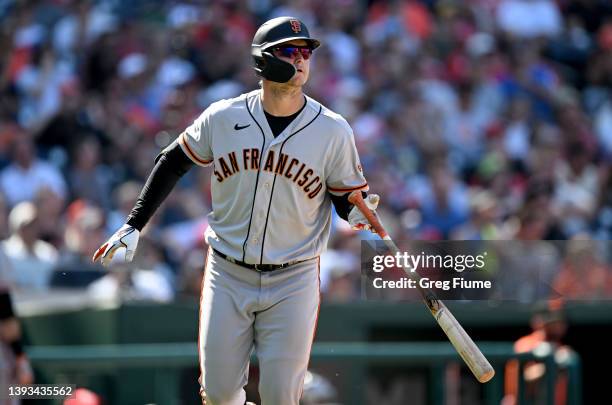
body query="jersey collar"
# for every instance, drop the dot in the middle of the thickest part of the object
(309, 112)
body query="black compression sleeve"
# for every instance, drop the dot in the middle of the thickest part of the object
(170, 166)
(342, 204)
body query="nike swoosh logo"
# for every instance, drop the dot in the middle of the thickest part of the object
(238, 127)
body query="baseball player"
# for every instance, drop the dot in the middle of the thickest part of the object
(279, 161)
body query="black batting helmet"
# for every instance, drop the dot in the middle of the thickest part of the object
(274, 32)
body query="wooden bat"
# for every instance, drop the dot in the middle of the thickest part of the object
(465, 346)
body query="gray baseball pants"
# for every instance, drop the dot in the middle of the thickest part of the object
(273, 313)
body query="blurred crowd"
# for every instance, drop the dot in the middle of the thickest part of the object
(474, 119)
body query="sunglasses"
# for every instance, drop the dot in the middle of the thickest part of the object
(289, 51)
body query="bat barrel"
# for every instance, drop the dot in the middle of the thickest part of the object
(463, 344)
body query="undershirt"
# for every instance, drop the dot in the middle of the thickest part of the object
(278, 124)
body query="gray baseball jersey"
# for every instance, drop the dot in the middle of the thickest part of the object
(269, 195)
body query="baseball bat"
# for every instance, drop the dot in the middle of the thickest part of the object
(461, 341)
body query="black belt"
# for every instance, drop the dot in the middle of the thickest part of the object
(263, 268)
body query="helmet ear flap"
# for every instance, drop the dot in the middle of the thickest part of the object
(259, 65)
(272, 68)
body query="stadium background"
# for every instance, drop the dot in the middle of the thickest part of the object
(484, 119)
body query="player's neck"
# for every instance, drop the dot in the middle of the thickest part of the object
(281, 100)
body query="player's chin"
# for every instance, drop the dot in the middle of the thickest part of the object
(299, 79)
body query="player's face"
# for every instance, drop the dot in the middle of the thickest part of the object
(297, 53)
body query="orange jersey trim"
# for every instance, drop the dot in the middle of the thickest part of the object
(192, 155)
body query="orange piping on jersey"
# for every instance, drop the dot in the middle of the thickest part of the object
(190, 152)
(347, 190)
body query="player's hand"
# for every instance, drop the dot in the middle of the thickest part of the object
(124, 240)
(357, 220)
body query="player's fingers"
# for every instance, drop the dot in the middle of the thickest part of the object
(99, 252)
(372, 201)
(129, 255)
(108, 256)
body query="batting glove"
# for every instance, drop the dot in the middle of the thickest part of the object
(357, 220)
(126, 239)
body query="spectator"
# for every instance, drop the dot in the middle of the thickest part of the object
(584, 275)
(443, 200)
(51, 221)
(340, 276)
(151, 277)
(74, 119)
(485, 219)
(27, 175)
(82, 23)
(576, 189)
(517, 134)
(529, 264)
(89, 179)
(84, 229)
(124, 198)
(529, 18)
(32, 259)
(465, 130)
(539, 198)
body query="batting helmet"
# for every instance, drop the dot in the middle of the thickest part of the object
(270, 34)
